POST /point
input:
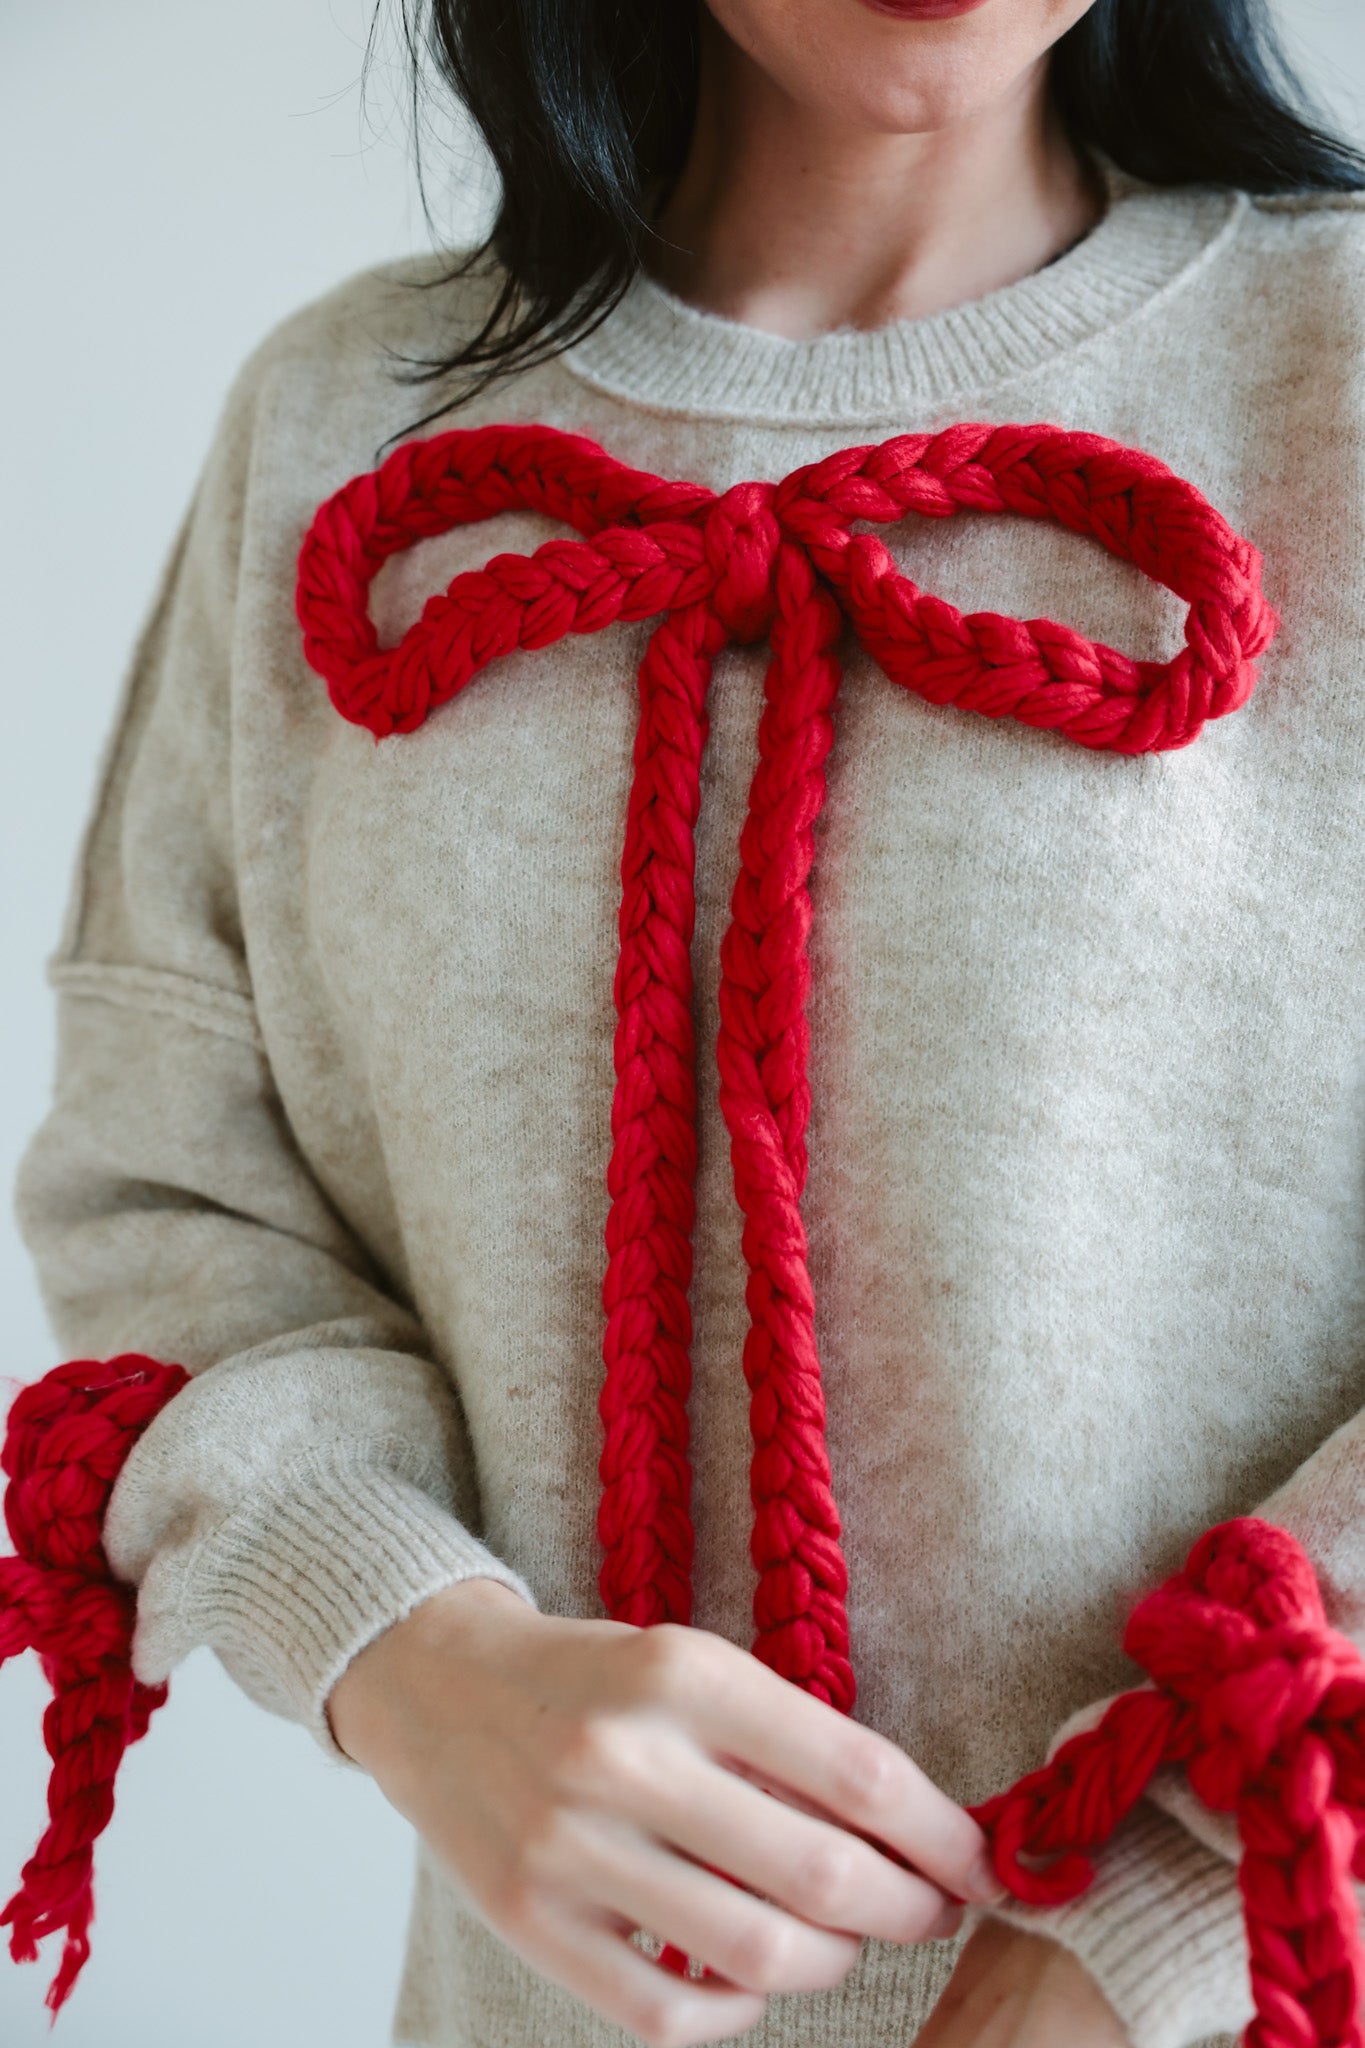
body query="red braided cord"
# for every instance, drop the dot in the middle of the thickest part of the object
(799, 1603)
(644, 1523)
(66, 1440)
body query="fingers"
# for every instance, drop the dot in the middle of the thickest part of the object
(753, 1944)
(815, 1869)
(747, 1713)
(593, 1958)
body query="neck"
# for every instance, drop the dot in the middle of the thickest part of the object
(787, 221)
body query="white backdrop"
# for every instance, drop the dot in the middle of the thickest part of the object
(175, 179)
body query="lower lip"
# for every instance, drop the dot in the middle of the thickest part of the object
(924, 10)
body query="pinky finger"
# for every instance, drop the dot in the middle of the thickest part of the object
(596, 1959)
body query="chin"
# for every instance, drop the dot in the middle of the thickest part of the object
(910, 99)
(918, 106)
(893, 72)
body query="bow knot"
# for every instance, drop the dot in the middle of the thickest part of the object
(1241, 1638)
(742, 538)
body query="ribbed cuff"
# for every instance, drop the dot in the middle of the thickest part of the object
(309, 1570)
(1161, 1932)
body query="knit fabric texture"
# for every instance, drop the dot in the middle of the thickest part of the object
(1084, 1203)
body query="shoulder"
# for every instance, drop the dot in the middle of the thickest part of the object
(404, 304)
(322, 393)
(1295, 278)
(345, 353)
(1282, 224)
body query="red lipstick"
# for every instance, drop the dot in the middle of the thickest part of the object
(924, 10)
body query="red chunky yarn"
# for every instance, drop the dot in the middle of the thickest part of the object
(1236, 1701)
(781, 560)
(66, 1440)
(1264, 1706)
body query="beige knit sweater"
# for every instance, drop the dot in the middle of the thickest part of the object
(1087, 1190)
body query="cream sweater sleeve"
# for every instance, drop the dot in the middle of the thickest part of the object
(314, 1481)
(1161, 1927)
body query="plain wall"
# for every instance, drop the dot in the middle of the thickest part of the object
(176, 177)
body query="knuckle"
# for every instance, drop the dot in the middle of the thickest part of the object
(548, 1848)
(865, 1778)
(583, 1752)
(607, 1762)
(759, 1955)
(546, 1853)
(823, 1881)
(666, 1663)
(654, 2019)
(636, 1772)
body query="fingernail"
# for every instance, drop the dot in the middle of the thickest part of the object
(949, 1922)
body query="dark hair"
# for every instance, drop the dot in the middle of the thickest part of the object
(586, 107)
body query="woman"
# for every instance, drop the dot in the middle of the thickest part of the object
(1085, 1204)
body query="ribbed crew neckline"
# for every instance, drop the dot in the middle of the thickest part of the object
(655, 350)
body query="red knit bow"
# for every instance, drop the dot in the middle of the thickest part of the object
(784, 561)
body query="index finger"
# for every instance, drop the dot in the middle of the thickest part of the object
(850, 1773)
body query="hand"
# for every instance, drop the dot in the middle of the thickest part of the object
(576, 1778)
(1015, 1990)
